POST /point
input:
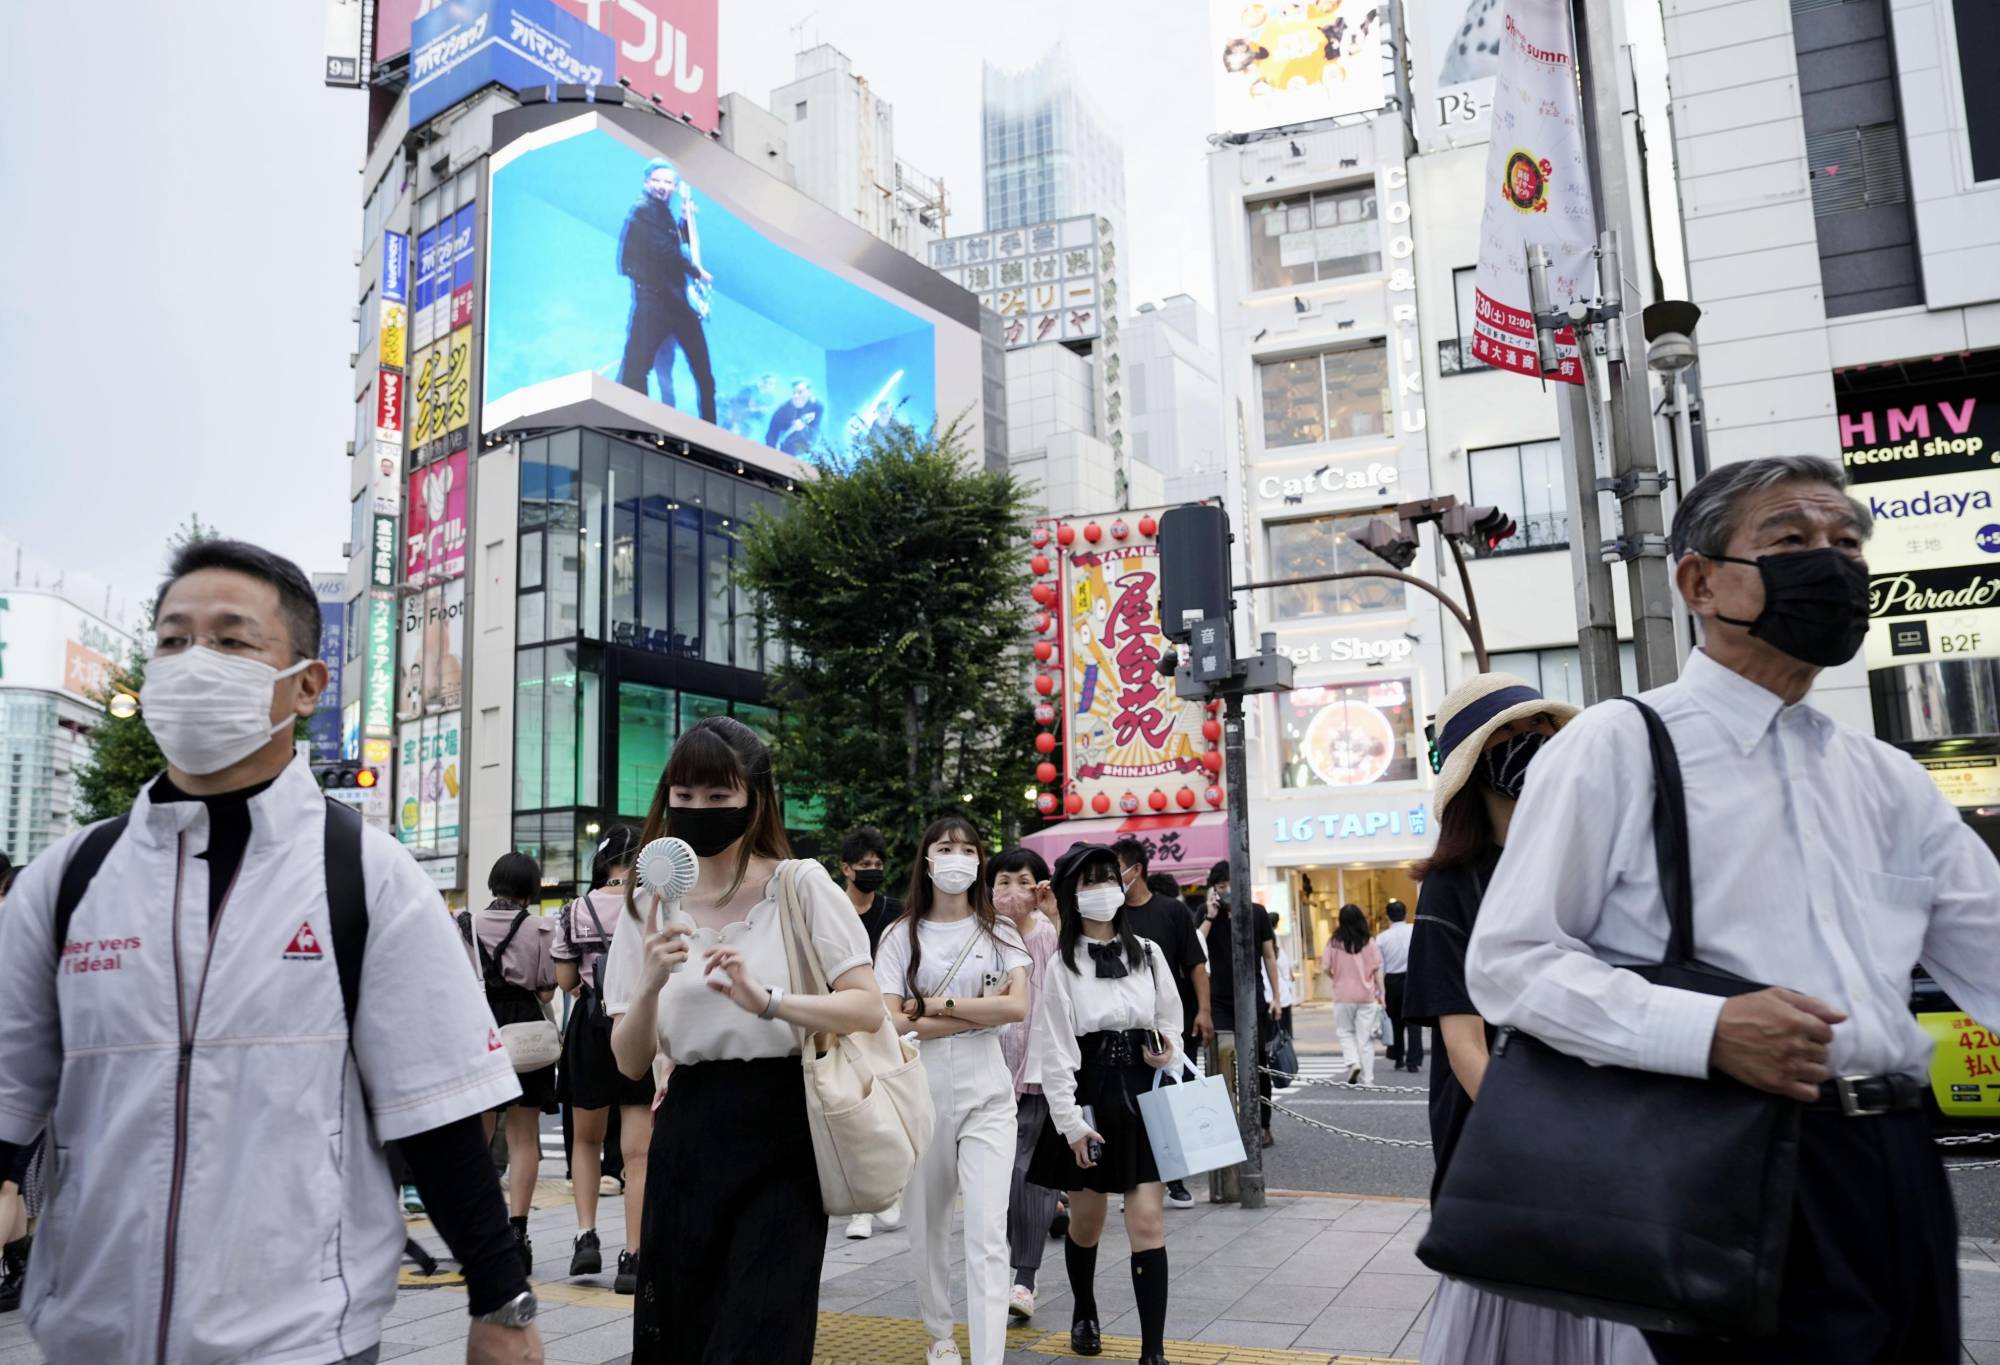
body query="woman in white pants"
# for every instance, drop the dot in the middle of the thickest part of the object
(953, 973)
(1354, 965)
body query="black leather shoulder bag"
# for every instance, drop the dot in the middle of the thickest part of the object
(1660, 1201)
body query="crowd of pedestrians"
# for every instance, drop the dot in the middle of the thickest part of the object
(237, 935)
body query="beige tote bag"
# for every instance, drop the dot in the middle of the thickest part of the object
(867, 1098)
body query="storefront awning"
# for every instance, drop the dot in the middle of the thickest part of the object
(1185, 846)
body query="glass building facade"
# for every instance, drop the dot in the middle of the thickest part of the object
(630, 626)
(1045, 153)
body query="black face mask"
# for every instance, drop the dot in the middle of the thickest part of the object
(868, 879)
(708, 829)
(1504, 767)
(1815, 605)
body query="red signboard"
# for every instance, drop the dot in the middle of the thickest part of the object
(388, 405)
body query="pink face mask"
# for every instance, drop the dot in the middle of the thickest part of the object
(1013, 901)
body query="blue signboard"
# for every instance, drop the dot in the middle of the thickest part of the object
(463, 45)
(395, 267)
(324, 727)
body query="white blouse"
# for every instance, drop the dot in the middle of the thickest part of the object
(697, 1024)
(983, 972)
(1077, 1003)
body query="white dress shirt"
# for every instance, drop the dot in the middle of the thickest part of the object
(1077, 1003)
(1394, 943)
(1824, 861)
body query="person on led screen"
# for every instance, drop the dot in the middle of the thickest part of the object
(794, 425)
(660, 252)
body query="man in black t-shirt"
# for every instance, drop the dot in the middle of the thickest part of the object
(861, 857)
(1216, 932)
(1165, 923)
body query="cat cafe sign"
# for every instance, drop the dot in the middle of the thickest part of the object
(1373, 480)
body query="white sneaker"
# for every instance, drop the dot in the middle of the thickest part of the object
(610, 1184)
(860, 1227)
(943, 1353)
(1021, 1302)
(891, 1218)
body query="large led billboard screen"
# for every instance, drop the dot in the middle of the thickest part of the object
(641, 282)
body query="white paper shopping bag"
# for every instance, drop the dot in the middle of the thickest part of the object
(1190, 1123)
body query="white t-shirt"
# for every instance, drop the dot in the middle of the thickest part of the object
(1395, 945)
(983, 972)
(697, 1024)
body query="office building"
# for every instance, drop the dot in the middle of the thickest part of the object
(1046, 153)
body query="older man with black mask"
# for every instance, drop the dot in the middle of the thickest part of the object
(1824, 861)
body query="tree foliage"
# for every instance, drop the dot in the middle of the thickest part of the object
(898, 579)
(122, 755)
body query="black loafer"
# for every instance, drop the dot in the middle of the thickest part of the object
(1152, 1360)
(1084, 1338)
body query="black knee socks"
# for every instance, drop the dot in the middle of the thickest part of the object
(1149, 1288)
(1082, 1265)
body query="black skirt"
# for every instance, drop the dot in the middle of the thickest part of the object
(589, 1077)
(518, 1006)
(734, 1230)
(1110, 1082)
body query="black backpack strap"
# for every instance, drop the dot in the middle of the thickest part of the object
(346, 902)
(1670, 836)
(494, 963)
(84, 860)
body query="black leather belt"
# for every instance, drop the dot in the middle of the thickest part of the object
(1113, 1047)
(1861, 1096)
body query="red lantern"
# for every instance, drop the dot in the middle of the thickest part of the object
(1045, 714)
(1044, 623)
(1147, 526)
(1129, 804)
(1045, 773)
(1185, 798)
(1045, 683)
(1040, 564)
(1039, 537)
(1100, 803)
(1158, 800)
(1046, 803)
(1213, 796)
(1093, 533)
(1045, 593)
(1045, 743)
(1119, 530)
(1065, 535)
(1074, 804)
(1044, 651)
(1211, 730)
(1212, 761)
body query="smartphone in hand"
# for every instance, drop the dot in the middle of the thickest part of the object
(1092, 1149)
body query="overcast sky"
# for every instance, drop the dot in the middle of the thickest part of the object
(181, 227)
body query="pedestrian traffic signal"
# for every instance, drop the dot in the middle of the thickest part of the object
(1194, 568)
(1483, 528)
(334, 776)
(1394, 544)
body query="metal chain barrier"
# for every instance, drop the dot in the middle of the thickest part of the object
(1277, 1108)
(1300, 1083)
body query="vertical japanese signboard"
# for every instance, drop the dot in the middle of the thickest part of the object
(1132, 744)
(427, 785)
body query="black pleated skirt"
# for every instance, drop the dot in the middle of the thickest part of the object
(589, 1077)
(1113, 1093)
(734, 1230)
(538, 1087)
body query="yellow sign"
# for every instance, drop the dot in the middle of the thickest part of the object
(393, 336)
(441, 395)
(1973, 780)
(1965, 1068)
(426, 420)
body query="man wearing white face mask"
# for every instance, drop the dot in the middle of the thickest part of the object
(953, 973)
(221, 1006)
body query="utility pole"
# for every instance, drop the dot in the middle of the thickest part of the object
(1244, 962)
(1635, 473)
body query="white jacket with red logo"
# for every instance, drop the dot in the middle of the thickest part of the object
(217, 1188)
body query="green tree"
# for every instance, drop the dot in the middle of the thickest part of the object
(122, 756)
(899, 581)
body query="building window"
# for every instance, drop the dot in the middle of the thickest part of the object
(1312, 238)
(1320, 545)
(1455, 352)
(1558, 673)
(799, 112)
(1526, 482)
(646, 734)
(1856, 168)
(1330, 396)
(1349, 736)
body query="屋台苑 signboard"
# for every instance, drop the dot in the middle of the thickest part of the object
(1925, 460)
(1047, 281)
(1129, 736)
(462, 45)
(1287, 61)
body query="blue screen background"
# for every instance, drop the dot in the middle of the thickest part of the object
(557, 304)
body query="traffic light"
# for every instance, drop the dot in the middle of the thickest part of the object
(1483, 528)
(1194, 567)
(1394, 544)
(336, 776)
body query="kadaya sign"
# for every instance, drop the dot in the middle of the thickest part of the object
(1925, 460)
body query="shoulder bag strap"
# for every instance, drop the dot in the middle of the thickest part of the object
(1670, 836)
(807, 977)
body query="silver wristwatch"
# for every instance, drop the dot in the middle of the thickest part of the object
(518, 1311)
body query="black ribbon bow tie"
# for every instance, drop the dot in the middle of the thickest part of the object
(1110, 959)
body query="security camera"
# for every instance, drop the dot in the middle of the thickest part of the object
(1670, 335)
